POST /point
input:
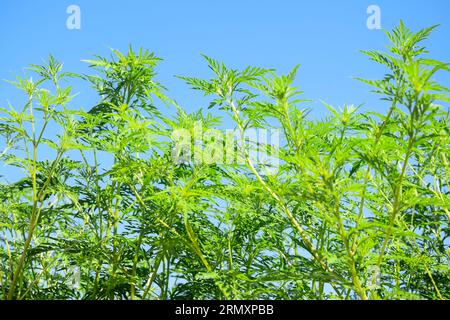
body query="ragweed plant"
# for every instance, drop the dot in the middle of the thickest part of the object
(109, 206)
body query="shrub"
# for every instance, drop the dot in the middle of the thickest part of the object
(357, 208)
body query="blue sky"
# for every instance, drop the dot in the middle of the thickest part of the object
(322, 36)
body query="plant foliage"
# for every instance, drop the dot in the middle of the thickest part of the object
(359, 207)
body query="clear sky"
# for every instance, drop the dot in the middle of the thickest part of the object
(322, 36)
